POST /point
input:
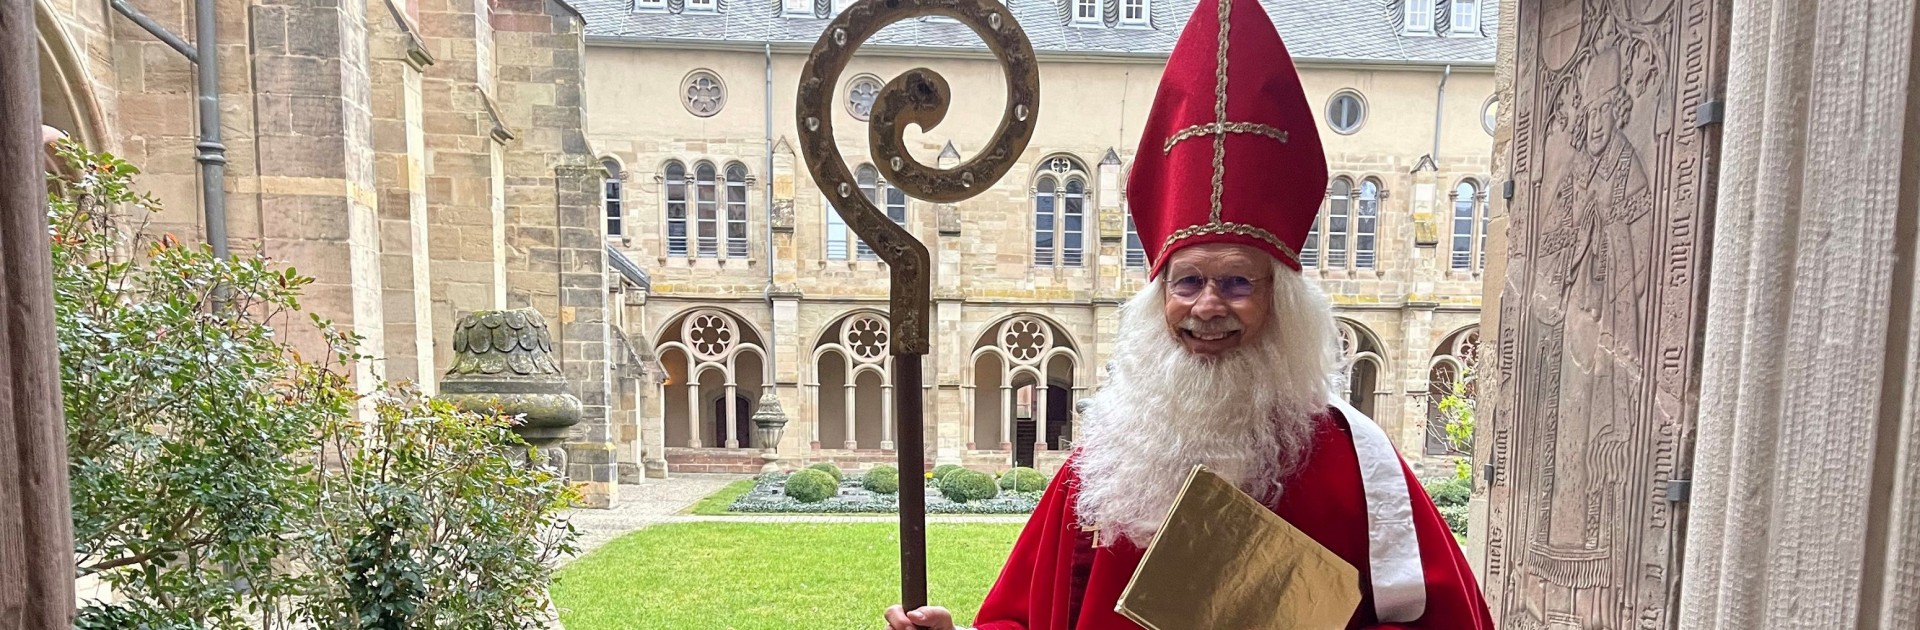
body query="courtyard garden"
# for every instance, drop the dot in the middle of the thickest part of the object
(825, 489)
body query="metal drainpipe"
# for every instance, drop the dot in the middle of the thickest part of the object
(773, 332)
(210, 153)
(1439, 106)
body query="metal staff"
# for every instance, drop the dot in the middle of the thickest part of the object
(918, 96)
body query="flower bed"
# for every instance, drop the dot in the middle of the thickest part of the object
(769, 496)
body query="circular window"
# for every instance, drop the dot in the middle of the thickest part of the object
(1490, 115)
(1346, 112)
(703, 93)
(860, 94)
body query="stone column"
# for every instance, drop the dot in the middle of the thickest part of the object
(653, 432)
(693, 413)
(967, 393)
(1806, 498)
(1040, 416)
(1006, 417)
(852, 440)
(886, 417)
(733, 430)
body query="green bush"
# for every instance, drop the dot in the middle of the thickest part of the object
(940, 472)
(1023, 479)
(831, 470)
(1451, 491)
(221, 481)
(1456, 516)
(962, 486)
(883, 479)
(811, 486)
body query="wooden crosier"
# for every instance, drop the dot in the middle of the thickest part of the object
(918, 96)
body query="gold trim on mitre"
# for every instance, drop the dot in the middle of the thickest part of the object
(1237, 229)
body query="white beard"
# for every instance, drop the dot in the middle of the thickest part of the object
(1249, 416)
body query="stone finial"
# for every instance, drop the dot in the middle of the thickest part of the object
(503, 364)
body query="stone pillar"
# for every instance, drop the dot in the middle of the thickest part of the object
(693, 412)
(459, 137)
(1493, 279)
(1806, 498)
(733, 429)
(318, 193)
(1040, 416)
(852, 440)
(653, 433)
(886, 417)
(400, 57)
(1006, 417)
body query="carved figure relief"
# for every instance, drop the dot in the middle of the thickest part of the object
(1601, 297)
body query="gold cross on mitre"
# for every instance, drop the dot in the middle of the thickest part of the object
(1220, 126)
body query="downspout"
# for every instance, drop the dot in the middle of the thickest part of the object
(1439, 106)
(773, 332)
(211, 154)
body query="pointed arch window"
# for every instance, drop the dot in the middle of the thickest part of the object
(1059, 214)
(888, 198)
(1136, 251)
(1366, 224)
(736, 210)
(1469, 228)
(676, 180)
(610, 197)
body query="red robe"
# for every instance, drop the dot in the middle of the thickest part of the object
(1056, 580)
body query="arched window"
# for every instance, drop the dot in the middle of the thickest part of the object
(736, 210)
(716, 369)
(1469, 228)
(1361, 366)
(888, 198)
(610, 197)
(707, 205)
(1136, 251)
(1059, 214)
(1310, 253)
(1339, 214)
(676, 209)
(1366, 224)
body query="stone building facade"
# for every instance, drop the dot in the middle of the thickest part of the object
(757, 283)
(421, 159)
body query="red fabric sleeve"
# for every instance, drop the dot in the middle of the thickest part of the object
(1454, 601)
(1031, 592)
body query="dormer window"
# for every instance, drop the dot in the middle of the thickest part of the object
(702, 6)
(1420, 16)
(1133, 12)
(649, 5)
(797, 7)
(1466, 17)
(1086, 12)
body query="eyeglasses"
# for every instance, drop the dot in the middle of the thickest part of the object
(1230, 287)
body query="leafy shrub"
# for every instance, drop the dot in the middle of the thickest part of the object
(1023, 479)
(882, 479)
(221, 481)
(1456, 516)
(962, 486)
(940, 472)
(1454, 490)
(831, 470)
(811, 486)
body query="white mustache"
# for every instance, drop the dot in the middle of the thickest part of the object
(1220, 326)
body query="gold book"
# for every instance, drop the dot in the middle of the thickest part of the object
(1223, 561)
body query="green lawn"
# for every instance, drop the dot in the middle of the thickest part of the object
(764, 576)
(717, 503)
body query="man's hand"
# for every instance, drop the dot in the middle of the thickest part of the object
(932, 617)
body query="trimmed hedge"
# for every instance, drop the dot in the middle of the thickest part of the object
(940, 472)
(1456, 516)
(882, 479)
(1023, 479)
(831, 470)
(1451, 491)
(963, 486)
(811, 486)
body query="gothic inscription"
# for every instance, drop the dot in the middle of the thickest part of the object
(1598, 353)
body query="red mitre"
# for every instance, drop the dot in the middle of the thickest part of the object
(1231, 151)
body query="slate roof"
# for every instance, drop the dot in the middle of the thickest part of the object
(1321, 30)
(632, 272)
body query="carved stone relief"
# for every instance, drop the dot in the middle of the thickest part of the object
(1598, 348)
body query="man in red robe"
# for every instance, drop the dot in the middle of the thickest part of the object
(1226, 359)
